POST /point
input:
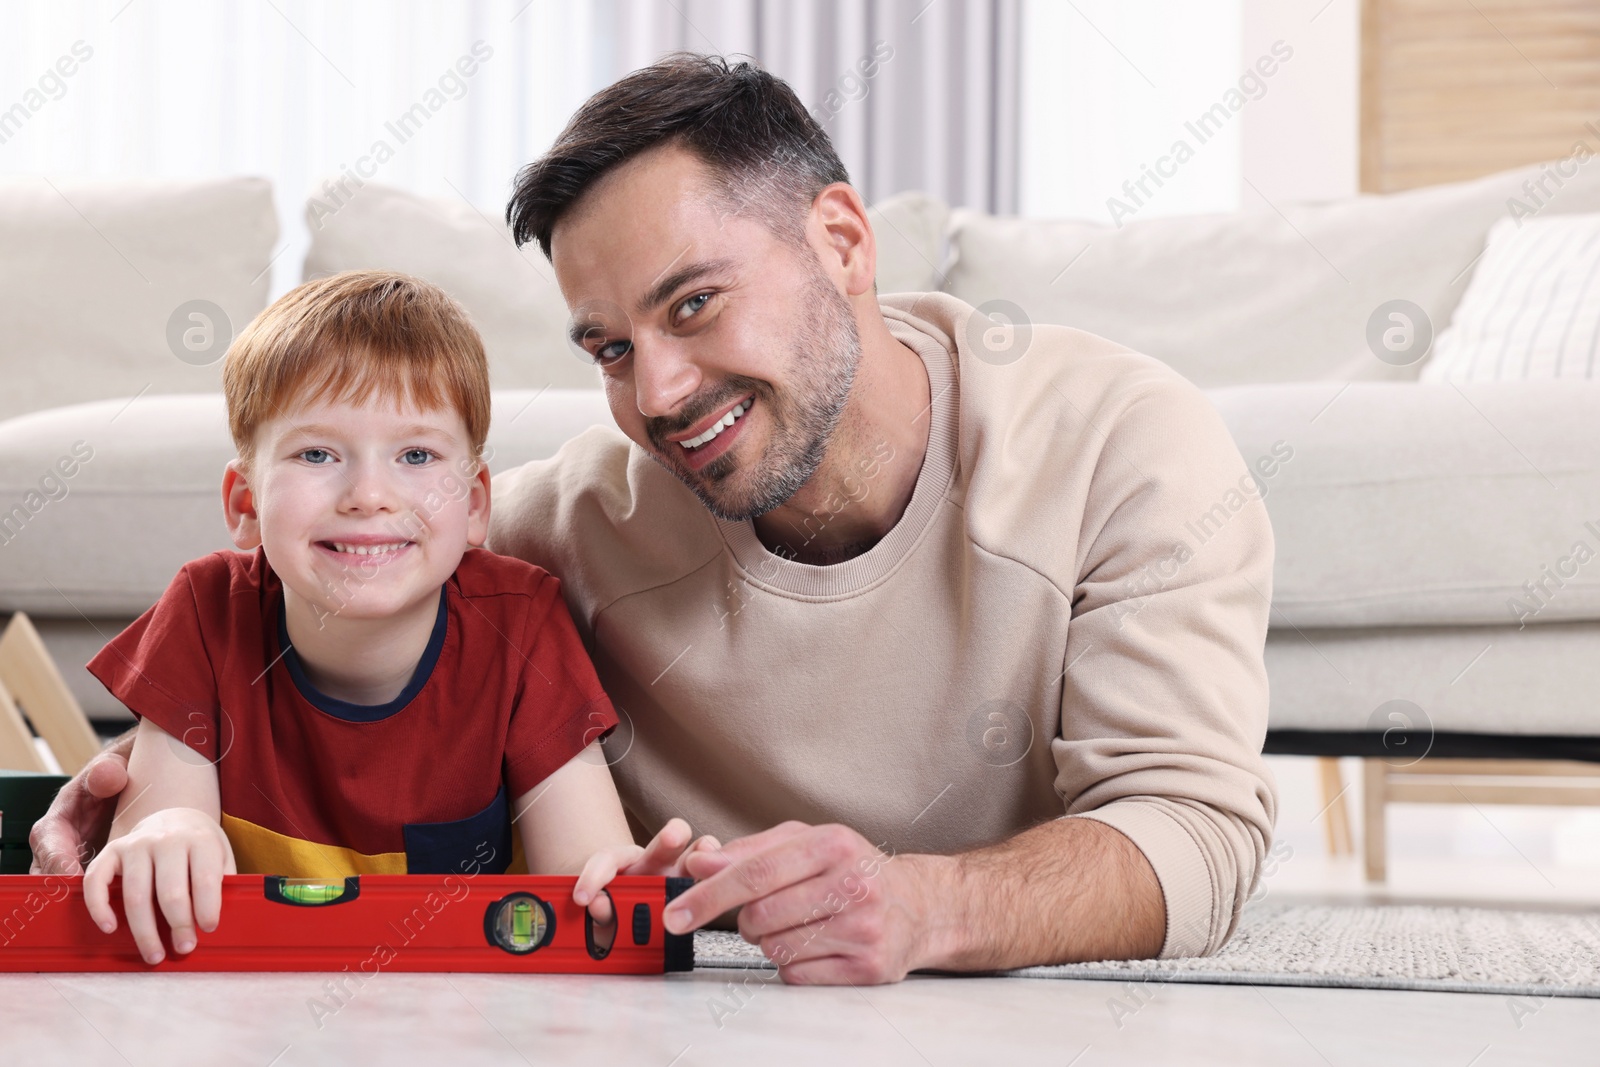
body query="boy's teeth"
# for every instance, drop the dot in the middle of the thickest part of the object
(368, 550)
(716, 428)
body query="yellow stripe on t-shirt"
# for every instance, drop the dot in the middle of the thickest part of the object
(257, 850)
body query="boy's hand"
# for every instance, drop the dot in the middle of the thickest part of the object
(664, 854)
(175, 857)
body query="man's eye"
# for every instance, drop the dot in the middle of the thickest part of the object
(612, 352)
(316, 456)
(692, 305)
(416, 457)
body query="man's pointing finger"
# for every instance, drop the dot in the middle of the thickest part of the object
(750, 878)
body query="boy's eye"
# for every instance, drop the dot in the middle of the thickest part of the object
(416, 457)
(316, 456)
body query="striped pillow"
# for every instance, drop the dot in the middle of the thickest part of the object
(1532, 309)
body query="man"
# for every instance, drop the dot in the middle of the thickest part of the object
(952, 630)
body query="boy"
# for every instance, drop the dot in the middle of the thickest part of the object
(363, 691)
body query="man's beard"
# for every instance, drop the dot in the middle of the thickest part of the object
(826, 354)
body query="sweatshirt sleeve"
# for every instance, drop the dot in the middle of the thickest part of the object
(1164, 700)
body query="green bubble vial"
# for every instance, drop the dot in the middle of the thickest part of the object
(312, 892)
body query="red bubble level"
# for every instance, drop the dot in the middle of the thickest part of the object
(499, 923)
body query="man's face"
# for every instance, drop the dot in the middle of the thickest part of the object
(727, 352)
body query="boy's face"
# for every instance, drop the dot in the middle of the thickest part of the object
(364, 509)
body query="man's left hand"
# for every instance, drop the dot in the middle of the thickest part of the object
(822, 902)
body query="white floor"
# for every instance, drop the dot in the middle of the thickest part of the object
(423, 1019)
(1495, 856)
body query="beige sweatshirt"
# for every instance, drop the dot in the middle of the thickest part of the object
(1068, 619)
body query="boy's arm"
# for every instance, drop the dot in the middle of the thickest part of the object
(572, 823)
(571, 815)
(163, 772)
(166, 842)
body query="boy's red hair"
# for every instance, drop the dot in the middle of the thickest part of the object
(351, 336)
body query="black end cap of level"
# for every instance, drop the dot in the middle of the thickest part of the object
(679, 954)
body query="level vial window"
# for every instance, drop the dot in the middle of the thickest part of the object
(310, 892)
(519, 923)
(302, 891)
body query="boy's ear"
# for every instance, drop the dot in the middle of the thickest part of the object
(239, 507)
(478, 507)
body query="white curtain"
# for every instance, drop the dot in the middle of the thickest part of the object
(915, 94)
(299, 90)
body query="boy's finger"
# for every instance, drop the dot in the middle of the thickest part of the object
(596, 875)
(97, 891)
(741, 848)
(172, 893)
(601, 910)
(138, 906)
(205, 883)
(665, 848)
(674, 837)
(704, 862)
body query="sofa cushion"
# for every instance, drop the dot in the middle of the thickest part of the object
(1533, 308)
(1255, 296)
(101, 503)
(511, 294)
(1465, 679)
(1392, 504)
(1538, 680)
(95, 277)
(912, 230)
(1404, 504)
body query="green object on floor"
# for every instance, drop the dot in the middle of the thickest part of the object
(24, 797)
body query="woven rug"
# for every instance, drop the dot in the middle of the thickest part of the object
(1411, 946)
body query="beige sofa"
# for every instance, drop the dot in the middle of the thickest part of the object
(1407, 515)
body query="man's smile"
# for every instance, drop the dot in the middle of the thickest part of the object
(713, 435)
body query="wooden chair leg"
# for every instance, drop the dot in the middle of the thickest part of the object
(31, 675)
(16, 742)
(1375, 782)
(1336, 825)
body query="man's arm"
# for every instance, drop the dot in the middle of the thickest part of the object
(828, 907)
(69, 835)
(1065, 891)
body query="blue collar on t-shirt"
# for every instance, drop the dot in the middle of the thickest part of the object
(343, 709)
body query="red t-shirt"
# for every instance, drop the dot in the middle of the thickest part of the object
(503, 696)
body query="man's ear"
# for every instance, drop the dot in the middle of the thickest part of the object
(239, 506)
(478, 507)
(849, 250)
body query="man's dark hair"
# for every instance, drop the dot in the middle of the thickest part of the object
(748, 126)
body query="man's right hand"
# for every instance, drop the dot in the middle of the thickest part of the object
(74, 829)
